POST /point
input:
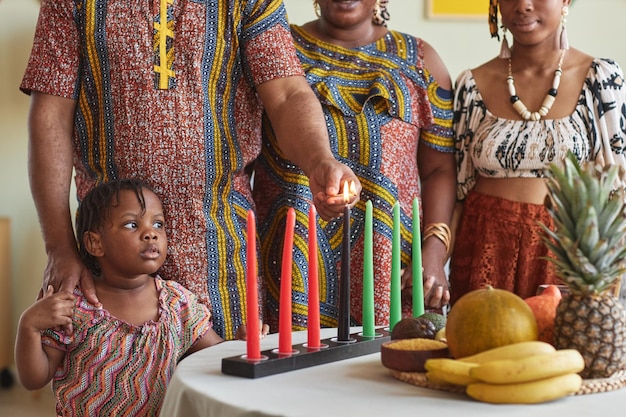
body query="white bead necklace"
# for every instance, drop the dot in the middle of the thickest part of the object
(548, 101)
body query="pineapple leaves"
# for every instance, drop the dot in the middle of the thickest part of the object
(588, 242)
(608, 217)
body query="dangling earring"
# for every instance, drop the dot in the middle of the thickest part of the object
(376, 19)
(316, 8)
(563, 42)
(505, 51)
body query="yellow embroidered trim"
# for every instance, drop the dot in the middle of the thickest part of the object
(164, 29)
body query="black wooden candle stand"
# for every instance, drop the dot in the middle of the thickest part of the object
(304, 357)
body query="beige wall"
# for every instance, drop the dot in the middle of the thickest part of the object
(595, 26)
(17, 21)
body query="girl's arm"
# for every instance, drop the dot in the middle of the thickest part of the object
(210, 338)
(36, 363)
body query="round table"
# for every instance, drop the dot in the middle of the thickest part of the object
(359, 386)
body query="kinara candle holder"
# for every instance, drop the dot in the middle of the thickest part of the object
(332, 350)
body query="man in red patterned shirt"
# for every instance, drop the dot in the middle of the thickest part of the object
(172, 92)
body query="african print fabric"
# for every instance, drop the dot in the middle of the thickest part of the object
(379, 101)
(189, 139)
(113, 368)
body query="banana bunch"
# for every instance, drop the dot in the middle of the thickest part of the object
(520, 373)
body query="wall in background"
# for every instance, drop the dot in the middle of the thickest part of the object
(17, 24)
(595, 26)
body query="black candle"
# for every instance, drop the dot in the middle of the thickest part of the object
(343, 325)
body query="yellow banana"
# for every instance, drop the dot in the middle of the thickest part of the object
(513, 351)
(450, 371)
(530, 368)
(543, 390)
(438, 377)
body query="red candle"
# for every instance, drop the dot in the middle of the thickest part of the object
(284, 309)
(253, 340)
(313, 326)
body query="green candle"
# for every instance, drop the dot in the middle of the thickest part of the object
(368, 275)
(418, 283)
(395, 305)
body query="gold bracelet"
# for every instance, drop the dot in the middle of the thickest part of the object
(441, 231)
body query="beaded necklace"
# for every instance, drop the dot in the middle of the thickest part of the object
(548, 101)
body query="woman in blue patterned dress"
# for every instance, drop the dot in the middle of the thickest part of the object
(386, 98)
(510, 126)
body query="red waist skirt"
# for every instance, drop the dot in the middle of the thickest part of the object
(498, 243)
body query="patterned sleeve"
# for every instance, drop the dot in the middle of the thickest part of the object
(193, 317)
(605, 85)
(55, 339)
(53, 63)
(464, 116)
(268, 45)
(439, 135)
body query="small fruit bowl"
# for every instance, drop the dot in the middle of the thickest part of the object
(409, 355)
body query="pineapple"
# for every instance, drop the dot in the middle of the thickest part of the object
(588, 244)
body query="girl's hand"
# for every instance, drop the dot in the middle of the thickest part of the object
(52, 310)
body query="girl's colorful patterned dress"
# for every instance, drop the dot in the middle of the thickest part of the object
(113, 368)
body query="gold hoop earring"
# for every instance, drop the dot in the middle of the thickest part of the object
(316, 9)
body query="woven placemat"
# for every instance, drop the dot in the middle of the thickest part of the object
(589, 386)
(421, 380)
(615, 381)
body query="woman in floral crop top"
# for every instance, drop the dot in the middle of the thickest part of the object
(509, 131)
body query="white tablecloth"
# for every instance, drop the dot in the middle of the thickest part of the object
(355, 387)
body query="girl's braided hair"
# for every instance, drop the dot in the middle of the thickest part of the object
(93, 212)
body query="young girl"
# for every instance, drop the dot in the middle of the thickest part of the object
(120, 356)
